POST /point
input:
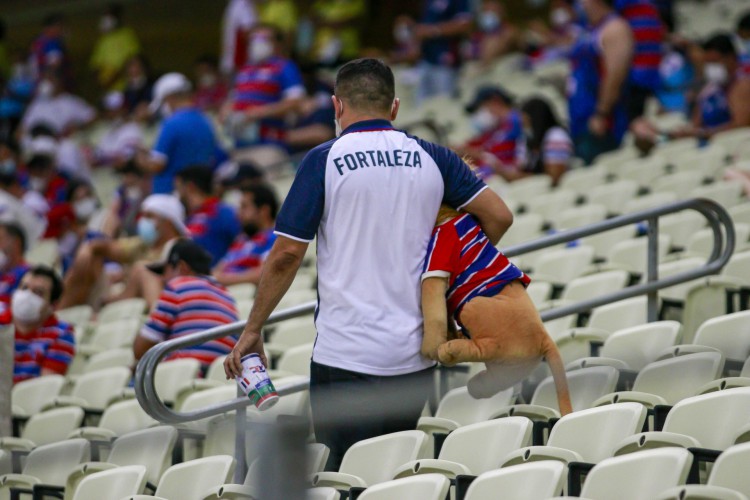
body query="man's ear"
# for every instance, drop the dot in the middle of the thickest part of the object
(394, 108)
(338, 107)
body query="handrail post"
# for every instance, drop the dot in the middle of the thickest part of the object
(652, 272)
(240, 421)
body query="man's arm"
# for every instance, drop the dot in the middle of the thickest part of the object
(279, 270)
(617, 47)
(150, 162)
(493, 214)
(141, 345)
(274, 110)
(435, 314)
(251, 275)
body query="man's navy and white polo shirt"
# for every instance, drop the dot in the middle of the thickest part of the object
(372, 196)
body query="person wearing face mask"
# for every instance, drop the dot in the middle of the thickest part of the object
(495, 35)
(742, 38)
(266, 90)
(12, 264)
(138, 88)
(210, 91)
(115, 46)
(122, 135)
(558, 34)
(49, 52)
(162, 219)
(549, 147)
(499, 146)
(122, 216)
(44, 345)
(186, 136)
(243, 263)
(45, 180)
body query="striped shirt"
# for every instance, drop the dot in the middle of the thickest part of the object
(648, 33)
(191, 304)
(505, 142)
(460, 251)
(248, 253)
(51, 347)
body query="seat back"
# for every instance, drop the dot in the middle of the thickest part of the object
(531, 481)
(30, 395)
(53, 425)
(122, 309)
(632, 255)
(595, 433)
(78, 316)
(296, 360)
(109, 358)
(317, 456)
(388, 451)
(730, 469)
(174, 375)
(595, 285)
(423, 487)
(586, 386)
(113, 483)
(126, 416)
(96, 388)
(640, 345)
(564, 264)
(323, 493)
(623, 314)
(739, 267)
(482, 446)
(459, 406)
(190, 480)
(151, 448)
(713, 419)
(677, 378)
(295, 332)
(729, 333)
(637, 475)
(51, 463)
(116, 333)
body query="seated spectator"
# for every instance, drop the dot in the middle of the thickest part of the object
(499, 148)
(46, 180)
(554, 40)
(123, 136)
(162, 220)
(12, 264)
(406, 50)
(43, 344)
(138, 86)
(115, 46)
(122, 215)
(243, 262)
(495, 35)
(549, 146)
(336, 30)
(186, 137)
(743, 42)
(677, 77)
(211, 91)
(315, 123)
(68, 156)
(210, 222)
(71, 220)
(191, 302)
(55, 107)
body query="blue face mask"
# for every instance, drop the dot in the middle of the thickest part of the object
(147, 231)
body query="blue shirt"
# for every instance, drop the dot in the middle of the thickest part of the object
(443, 50)
(214, 226)
(186, 138)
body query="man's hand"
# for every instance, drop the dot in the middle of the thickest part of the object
(249, 342)
(598, 125)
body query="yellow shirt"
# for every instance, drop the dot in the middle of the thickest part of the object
(281, 14)
(338, 11)
(111, 52)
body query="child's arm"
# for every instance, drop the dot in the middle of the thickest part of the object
(435, 314)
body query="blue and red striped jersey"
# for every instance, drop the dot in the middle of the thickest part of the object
(505, 142)
(51, 347)
(190, 304)
(648, 32)
(214, 226)
(460, 251)
(248, 253)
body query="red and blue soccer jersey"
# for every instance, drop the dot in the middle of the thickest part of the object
(9, 281)
(214, 227)
(268, 82)
(460, 251)
(648, 32)
(190, 304)
(51, 347)
(505, 142)
(248, 253)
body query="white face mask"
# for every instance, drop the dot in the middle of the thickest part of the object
(489, 21)
(338, 127)
(107, 24)
(260, 49)
(85, 208)
(45, 89)
(560, 17)
(166, 110)
(37, 184)
(133, 193)
(402, 33)
(715, 73)
(483, 120)
(3, 259)
(147, 230)
(26, 306)
(207, 80)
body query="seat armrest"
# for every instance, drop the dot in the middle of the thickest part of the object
(431, 425)
(431, 466)
(93, 434)
(61, 401)
(12, 444)
(577, 472)
(83, 470)
(646, 399)
(532, 412)
(18, 481)
(537, 453)
(651, 440)
(233, 491)
(724, 383)
(699, 491)
(338, 480)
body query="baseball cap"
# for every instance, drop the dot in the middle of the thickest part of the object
(486, 93)
(43, 145)
(186, 250)
(169, 207)
(234, 174)
(169, 84)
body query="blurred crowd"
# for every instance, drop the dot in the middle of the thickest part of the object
(192, 154)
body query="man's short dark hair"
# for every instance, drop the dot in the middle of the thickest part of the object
(366, 84)
(40, 162)
(201, 176)
(744, 23)
(53, 19)
(57, 285)
(721, 43)
(16, 232)
(263, 196)
(209, 60)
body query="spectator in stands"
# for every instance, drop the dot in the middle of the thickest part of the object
(116, 45)
(499, 146)
(407, 48)
(191, 302)
(548, 143)
(49, 53)
(45, 179)
(239, 18)
(71, 220)
(597, 97)
(677, 78)
(54, 107)
(243, 262)
(210, 222)
(315, 123)
(138, 86)
(122, 137)
(266, 90)
(557, 37)
(43, 344)
(211, 91)
(122, 216)
(496, 36)
(742, 38)
(12, 264)
(336, 30)
(16, 92)
(186, 136)
(444, 24)
(162, 219)
(282, 15)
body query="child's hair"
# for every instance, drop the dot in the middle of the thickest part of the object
(446, 212)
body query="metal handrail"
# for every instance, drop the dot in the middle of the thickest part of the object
(716, 215)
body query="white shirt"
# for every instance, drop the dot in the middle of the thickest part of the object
(59, 112)
(372, 197)
(239, 16)
(120, 140)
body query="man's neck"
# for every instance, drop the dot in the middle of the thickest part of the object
(26, 328)
(599, 14)
(196, 201)
(267, 224)
(349, 120)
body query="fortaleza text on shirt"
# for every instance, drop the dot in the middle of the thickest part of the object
(392, 158)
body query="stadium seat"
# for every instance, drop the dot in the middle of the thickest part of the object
(427, 487)
(559, 266)
(292, 333)
(729, 333)
(623, 314)
(582, 179)
(532, 481)
(526, 227)
(78, 316)
(643, 171)
(575, 343)
(389, 451)
(701, 243)
(613, 196)
(550, 203)
(112, 484)
(296, 360)
(743, 380)
(740, 213)
(241, 292)
(323, 493)
(708, 421)
(668, 381)
(681, 226)
(738, 268)
(652, 200)
(191, 480)
(678, 293)
(539, 292)
(594, 285)
(296, 297)
(94, 390)
(174, 375)
(639, 475)
(681, 184)
(6, 466)
(640, 345)
(727, 194)
(32, 394)
(122, 309)
(603, 242)
(458, 408)
(529, 187)
(110, 358)
(703, 492)
(632, 255)
(45, 427)
(474, 448)
(111, 335)
(118, 419)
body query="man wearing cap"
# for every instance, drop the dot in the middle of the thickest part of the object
(162, 220)
(186, 136)
(499, 144)
(191, 302)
